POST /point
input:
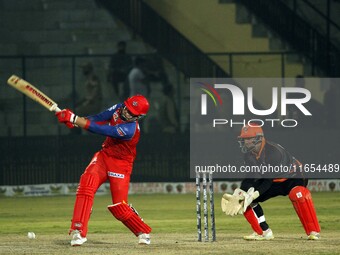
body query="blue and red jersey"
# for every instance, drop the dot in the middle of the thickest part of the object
(121, 136)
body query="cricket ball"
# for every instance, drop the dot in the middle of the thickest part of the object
(31, 235)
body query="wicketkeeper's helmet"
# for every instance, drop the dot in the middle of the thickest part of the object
(250, 131)
(137, 105)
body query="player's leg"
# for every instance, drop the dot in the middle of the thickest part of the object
(130, 218)
(119, 185)
(250, 214)
(93, 176)
(255, 216)
(304, 207)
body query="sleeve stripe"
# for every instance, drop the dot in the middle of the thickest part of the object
(88, 123)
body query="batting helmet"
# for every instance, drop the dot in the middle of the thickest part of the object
(247, 132)
(250, 131)
(138, 106)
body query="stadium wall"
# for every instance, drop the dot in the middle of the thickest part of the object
(55, 189)
(160, 158)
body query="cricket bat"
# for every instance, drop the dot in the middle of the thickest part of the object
(33, 93)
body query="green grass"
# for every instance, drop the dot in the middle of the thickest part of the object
(173, 219)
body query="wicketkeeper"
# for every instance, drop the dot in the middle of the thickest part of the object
(245, 200)
(113, 162)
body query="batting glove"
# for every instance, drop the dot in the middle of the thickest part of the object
(67, 117)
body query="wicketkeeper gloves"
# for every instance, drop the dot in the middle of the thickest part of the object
(238, 202)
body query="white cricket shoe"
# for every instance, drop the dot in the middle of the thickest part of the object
(77, 239)
(144, 239)
(314, 236)
(267, 235)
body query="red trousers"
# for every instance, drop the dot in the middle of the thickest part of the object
(101, 168)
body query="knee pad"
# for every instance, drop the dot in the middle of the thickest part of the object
(129, 217)
(88, 185)
(304, 207)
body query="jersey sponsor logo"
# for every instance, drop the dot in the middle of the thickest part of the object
(120, 131)
(116, 175)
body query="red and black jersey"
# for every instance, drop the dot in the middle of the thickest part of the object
(271, 154)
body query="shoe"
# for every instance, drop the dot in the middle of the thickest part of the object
(77, 239)
(314, 236)
(144, 239)
(267, 235)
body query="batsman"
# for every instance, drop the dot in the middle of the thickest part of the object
(113, 162)
(246, 199)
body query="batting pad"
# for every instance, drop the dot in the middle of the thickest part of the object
(304, 207)
(83, 204)
(124, 213)
(251, 217)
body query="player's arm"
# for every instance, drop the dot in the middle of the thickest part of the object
(278, 156)
(105, 115)
(255, 188)
(123, 131)
(260, 185)
(274, 157)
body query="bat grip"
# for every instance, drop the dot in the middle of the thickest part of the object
(55, 108)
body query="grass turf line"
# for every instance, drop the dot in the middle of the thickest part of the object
(173, 220)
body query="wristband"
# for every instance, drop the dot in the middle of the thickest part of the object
(75, 117)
